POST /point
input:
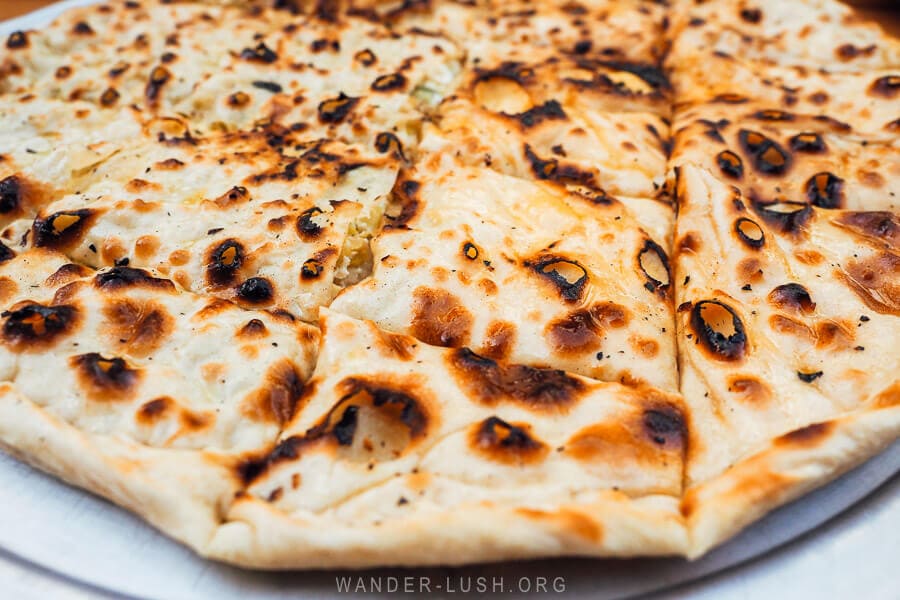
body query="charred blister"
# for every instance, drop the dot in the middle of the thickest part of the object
(260, 54)
(311, 269)
(809, 377)
(551, 169)
(654, 264)
(11, 192)
(719, 329)
(649, 74)
(490, 382)
(730, 99)
(224, 261)
(750, 233)
(34, 325)
(82, 28)
(506, 442)
(105, 378)
(390, 82)
(236, 195)
(335, 110)
(307, 229)
(62, 229)
(238, 99)
(159, 76)
(751, 15)
(6, 253)
(888, 86)
(767, 155)
(568, 276)
(470, 251)
(365, 57)
(825, 190)
(730, 164)
(511, 70)
(256, 290)
(119, 278)
(792, 296)
(772, 115)
(17, 40)
(548, 111)
(63, 72)
(785, 217)
(269, 86)
(388, 143)
(665, 426)
(406, 203)
(109, 97)
(808, 143)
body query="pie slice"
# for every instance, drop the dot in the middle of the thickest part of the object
(403, 453)
(595, 125)
(252, 217)
(788, 323)
(121, 383)
(521, 270)
(811, 33)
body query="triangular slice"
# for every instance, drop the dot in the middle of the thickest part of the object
(521, 270)
(121, 383)
(788, 323)
(408, 454)
(253, 217)
(596, 125)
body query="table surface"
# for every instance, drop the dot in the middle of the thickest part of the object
(889, 18)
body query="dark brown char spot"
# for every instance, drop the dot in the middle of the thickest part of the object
(439, 318)
(553, 170)
(582, 330)
(154, 410)
(388, 143)
(119, 278)
(825, 190)
(105, 379)
(730, 164)
(654, 263)
(335, 110)
(809, 143)
(62, 230)
(665, 426)
(10, 194)
(548, 111)
(276, 400)
(366, 57)
(772, 115)
(159, 76)
(253, 329)
(256, 290)
(809, 436)
(888, 86)
(137, 327)
(785, 217)
(567, 276)
(396, 346)
(792, 296)
(393, 81)
(260, 54)
(223, 262)
(881, 226)
(236, 195)
(491, 382)
(17, 40)
(876, 281)
(6, 254)
(751, 15)
(767, 155)
(406, 203)
(749, 232)
(718, 328)
(505, 442)
(67, 274)
(32, 326)
(307, 229)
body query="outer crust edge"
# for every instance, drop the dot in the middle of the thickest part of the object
(789, 467)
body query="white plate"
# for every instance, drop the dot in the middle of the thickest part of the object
(89, 542)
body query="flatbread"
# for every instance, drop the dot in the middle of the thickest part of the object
(513, 269)
(356, 283)
(140, 410)
(441, 456)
